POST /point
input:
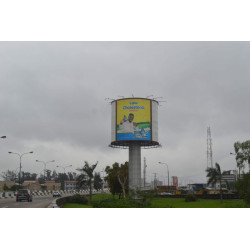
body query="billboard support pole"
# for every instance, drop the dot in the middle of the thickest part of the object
(134, 165)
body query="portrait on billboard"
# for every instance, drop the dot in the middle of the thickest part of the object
(133, 119)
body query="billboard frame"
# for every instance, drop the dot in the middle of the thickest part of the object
(143, 143)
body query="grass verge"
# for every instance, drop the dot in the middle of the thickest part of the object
(162, 203)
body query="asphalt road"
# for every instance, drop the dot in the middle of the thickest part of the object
(38, 202)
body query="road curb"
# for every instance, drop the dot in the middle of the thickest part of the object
(53, 204)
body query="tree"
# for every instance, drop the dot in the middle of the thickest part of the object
(242, 151)
(214, 175)
(86, 177)
(48, 175)
(117, 178)
(243, 187)
(5, 187)
(70, 176)
(41, 179)
(27, 176)
(54, 176)
(122, 175)
(98, 182)
(9, 175)
(112, 180)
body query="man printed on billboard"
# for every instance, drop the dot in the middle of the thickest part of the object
(127, 125)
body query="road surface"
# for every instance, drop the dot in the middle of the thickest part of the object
(38, 202)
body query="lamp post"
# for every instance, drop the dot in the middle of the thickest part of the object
(45, 163)
(168, 171)
(20, 156)
(3, 137)
(64, 172)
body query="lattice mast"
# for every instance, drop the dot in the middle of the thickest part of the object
(209, 149)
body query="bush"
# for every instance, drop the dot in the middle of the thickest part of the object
(77, 198)
(61, 201)
(190, 198)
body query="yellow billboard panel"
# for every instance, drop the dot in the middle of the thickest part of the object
(133, 120)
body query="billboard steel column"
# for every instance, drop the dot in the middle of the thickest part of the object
(134, 165)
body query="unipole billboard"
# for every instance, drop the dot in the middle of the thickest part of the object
(134, 124)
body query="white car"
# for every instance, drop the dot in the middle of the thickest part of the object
(56, 194)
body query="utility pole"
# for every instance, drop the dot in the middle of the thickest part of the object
(144, 173)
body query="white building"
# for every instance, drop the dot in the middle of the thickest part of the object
(70, 185)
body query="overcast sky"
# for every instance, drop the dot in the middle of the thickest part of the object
(52, 101)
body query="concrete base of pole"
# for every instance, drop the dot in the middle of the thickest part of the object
(134, 166)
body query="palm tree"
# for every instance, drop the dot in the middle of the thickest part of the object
(87, 176)
(214, 175)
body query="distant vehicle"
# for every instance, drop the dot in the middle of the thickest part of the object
(24, 194)
(56, 194)
(165, 193)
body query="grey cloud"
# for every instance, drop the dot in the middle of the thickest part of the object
(54, 92)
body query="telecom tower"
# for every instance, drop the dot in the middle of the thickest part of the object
(144, 173)
(209, 149)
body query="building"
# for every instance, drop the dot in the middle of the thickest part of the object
(70, 185)
(32, 185)
(36, 186)
(228, 179)
(166, 188)
(52, 185)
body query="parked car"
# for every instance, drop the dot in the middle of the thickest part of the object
(24, 194)
(56, 194)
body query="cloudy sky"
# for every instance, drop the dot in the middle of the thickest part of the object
(52, 101)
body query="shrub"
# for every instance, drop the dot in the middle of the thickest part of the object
(61, 201)
(190, 197)
(77, 198)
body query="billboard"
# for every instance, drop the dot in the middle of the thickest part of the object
(133, 120)
(175, 181)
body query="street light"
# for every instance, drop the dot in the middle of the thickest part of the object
(45, 163)
(64, 167)
(20, 155)
(168, 171)
(3, 137)
(64, 173)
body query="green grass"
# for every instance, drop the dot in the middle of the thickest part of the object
(162, 202)
(201, 203)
